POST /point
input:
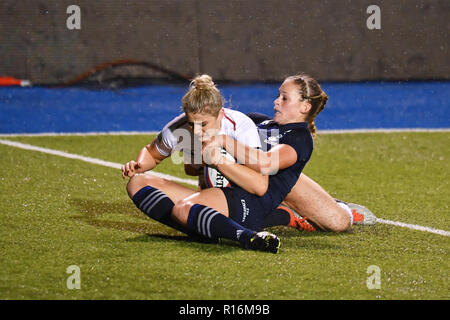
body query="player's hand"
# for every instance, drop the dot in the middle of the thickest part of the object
(211, 153)
(218, 140)
(130, 169)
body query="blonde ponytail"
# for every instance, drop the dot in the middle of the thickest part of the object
(203, 96)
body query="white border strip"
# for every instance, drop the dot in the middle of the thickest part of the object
(121, 133)
(188, 181)
(90, 160)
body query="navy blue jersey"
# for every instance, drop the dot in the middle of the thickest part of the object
(296, 135)
(248, 209)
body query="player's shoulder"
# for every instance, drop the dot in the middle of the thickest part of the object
(237, 119)
(267, 124)
(296, 131)
(298, 136)
(176, 123)
(169, 131)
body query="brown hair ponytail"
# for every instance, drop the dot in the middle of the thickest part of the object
(311, 91)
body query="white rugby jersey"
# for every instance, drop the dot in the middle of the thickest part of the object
(234, 124)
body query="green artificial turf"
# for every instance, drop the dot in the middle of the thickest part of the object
(57, 212)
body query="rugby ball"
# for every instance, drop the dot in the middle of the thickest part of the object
(214, 178)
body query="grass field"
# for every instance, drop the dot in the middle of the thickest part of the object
(56, 212)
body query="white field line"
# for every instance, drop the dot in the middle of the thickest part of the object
(89, 160)
(188, 181)
(415, 227)
(119, 133)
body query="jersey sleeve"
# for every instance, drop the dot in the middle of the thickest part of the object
(301, 141)
(164, 142)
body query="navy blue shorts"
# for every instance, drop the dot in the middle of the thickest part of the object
(245, 208)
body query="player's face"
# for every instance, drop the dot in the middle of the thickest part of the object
(288, 105)
(205, 125)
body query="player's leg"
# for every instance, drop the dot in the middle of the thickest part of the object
(173, 190)
(211, 197)
(206, 213)
(310, 200)
(156, 197)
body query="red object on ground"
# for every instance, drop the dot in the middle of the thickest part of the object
(10, 81)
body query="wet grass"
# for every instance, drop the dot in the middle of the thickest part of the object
(57, 212)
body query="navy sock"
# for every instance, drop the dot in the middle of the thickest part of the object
(156, 204)
(277, 217)
(212, 224)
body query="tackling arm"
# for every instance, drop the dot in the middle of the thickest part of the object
(245, 177)
(279, 157)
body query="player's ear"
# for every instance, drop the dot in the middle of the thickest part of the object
(221, 114)
(305, 107)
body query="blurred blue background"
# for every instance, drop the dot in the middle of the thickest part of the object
(366, 105)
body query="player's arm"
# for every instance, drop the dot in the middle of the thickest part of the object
(148, 158)
(245, 177)
(277, 158)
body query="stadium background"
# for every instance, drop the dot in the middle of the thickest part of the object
(231, 40)
(374, 77)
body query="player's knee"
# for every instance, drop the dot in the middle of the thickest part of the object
(180, 211)
(137, 182)
(132, 186)
(340, 223)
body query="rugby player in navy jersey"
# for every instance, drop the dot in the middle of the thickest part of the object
(319, 211)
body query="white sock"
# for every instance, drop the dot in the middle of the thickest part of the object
(347, 209)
